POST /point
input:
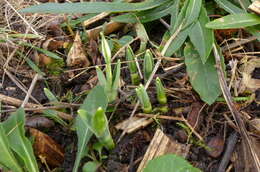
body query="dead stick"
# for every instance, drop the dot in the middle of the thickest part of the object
(232, 140)
(17, 102)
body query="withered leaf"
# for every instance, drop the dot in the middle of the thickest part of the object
(77, 54)
(216, 145)
(47, 149)
(39, 122)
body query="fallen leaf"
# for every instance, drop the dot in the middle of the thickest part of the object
(216, 146)
(47, 149)
(39, 122)
(77, 56)
(247, 70)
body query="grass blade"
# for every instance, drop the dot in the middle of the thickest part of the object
(234, 21)
(93, 7)
(229, 7)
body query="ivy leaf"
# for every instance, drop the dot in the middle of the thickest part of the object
(201, 37)
(234, 21)
(203, 77)
(170, 162)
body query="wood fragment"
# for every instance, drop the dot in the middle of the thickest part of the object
(255, 7)
(132, 124)
(160, 145)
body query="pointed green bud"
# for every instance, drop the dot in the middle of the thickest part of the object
(160, 91)
(148, 64)
(135, 79)
(144, 99)
(99, 122)
(106, 52)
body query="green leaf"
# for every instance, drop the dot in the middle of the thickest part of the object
(170, 162)
(90, 166)
(116, 77)
(14, 128)
(203, 77)
(201, 37)
(46, 52)
(192, 12)
(50, 95)
(147, 15)
(229, 7)
(93, 7)
(95, 99)
(234, 21)
(178, 42)
(7, 157)
(101, 77)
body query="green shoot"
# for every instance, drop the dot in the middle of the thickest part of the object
(144, 99)
(148, 64)
(161, 95)
(110, 82)
(132, 66)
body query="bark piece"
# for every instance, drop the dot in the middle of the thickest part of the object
(132, 124)
(160, 145)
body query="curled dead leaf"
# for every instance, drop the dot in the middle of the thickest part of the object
(77, 56)
(248, 68)
(47, 149)
(42, 59)
(39, 122)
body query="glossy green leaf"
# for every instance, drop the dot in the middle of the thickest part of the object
(147, 15)
(201, 37)
(234, 21)
(192, 12)
(203, 77)
(93, 7)
(229, 7)
(14, 128)
(95, 99)
(7, 157)
(170, 162)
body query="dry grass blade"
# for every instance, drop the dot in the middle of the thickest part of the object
(247, 143)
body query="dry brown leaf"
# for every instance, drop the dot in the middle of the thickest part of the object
(255, 7)
(255, 125)
(47, 149)
(248, 68)
(77, 56)
(216, 145)
(39, 122)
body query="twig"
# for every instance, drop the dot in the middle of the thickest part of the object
(235, 113)
(38, 108)
(238, 43)
(232, 140)
(30, 89)
(161, 117)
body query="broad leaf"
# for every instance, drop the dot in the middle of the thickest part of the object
(170, 162)
(177, 42)
(229, 7)
(7, 157)
(201, 37)
(192, 12)
(234, 21)
(99, 122)
(203, 77)
(93, 7)
(14, 128)
(147, 15)
(95, 99)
